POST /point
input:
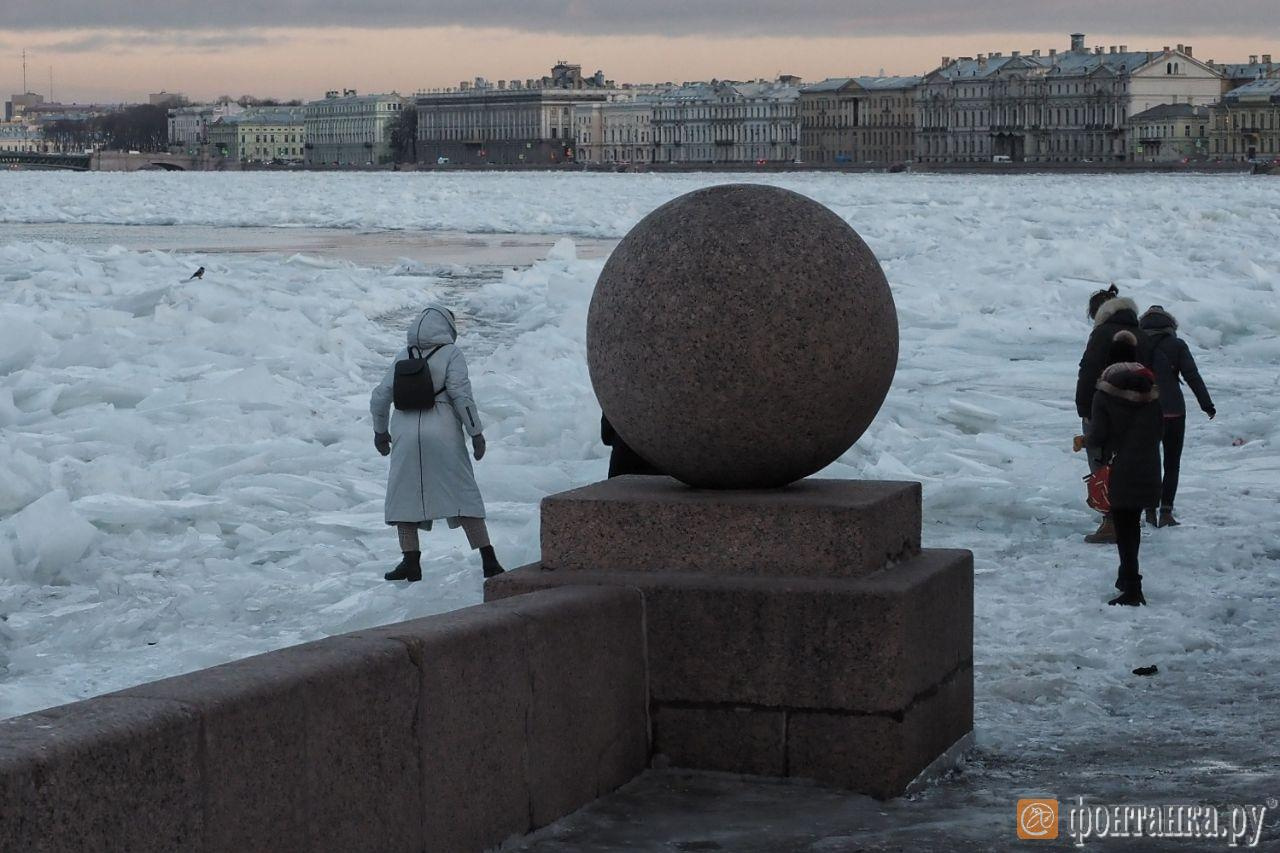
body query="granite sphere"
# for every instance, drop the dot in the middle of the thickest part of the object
(741, 336)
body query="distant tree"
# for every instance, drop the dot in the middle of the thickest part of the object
(143, 127)
(69, 135)
(252, 101)
(404, 136)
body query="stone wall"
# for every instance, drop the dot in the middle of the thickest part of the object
(450, 733)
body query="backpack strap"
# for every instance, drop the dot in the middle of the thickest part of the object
(434, 350)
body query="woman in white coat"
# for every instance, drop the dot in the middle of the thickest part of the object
(431, 476)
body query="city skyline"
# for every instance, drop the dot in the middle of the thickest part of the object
(112, 65)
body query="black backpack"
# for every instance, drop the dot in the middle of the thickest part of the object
(413, 389)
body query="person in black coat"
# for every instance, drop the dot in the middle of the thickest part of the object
(1111, 313)
(623, 460)
(1172, 363)
(1125, 426)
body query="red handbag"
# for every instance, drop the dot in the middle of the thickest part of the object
(1098, 488)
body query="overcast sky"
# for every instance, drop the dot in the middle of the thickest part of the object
(118, 49)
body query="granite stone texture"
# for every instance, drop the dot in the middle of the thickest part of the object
(588, 729)
(812, 528)
(731, 740)
(105, 774)
(309, 748)
(472, 723)
(867, 644)
(451, 733)
(881, 754)
(741, 336)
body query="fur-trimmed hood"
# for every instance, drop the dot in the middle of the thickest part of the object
(1112, 307)
(1130, 382)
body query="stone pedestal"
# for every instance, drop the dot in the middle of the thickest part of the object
(791, 632)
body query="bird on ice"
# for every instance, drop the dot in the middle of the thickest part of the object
(197, 274)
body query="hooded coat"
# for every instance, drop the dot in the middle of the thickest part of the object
(431, 475)
(1172, 362)
(1115, 315)
(1126, 423)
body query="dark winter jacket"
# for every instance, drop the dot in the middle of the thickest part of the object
(1172, 361)
(1127, 424)
(623, 460)
(1114, 315)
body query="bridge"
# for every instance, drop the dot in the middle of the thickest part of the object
(112, 161)
(28, 160)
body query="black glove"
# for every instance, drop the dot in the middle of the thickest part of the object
(478, 445)
(1211, 412)
(382, 441)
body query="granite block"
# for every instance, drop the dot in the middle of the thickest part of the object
(813, 528)
(588, 726)
(732, 740)
(472, 724)
(106, 774)
(307, 748)
(880, 755)
(867, 644)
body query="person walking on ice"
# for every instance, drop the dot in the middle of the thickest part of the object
(1125, 426)
(425, 435)
(1173, 364)
(1110, 314)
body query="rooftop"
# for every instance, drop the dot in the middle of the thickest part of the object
(885, 83)
(1257, 90)
(1172, 111)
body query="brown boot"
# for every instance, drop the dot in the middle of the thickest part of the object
(1166, 517)
(1104, 535)
(1151, 517)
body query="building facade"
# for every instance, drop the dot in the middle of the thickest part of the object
(503, 126)
(1170, 133)
(887, 128)
(723, 122)
(618, 131)
(1247, 122)
(349, 129)
(188, 126)
(20, 138)
(1068, 106)
(17, 105)
(260, 135)
(829, 121)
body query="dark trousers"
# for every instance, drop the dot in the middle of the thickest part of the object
(1175, 431)
(1128, 538)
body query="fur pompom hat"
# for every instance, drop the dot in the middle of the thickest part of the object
(1124, 348)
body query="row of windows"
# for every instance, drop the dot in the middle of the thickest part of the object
(726, 153)
(1058, 117)
(685, 113)
(271, 137)
(354, 109)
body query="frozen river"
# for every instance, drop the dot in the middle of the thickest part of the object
(187, 474)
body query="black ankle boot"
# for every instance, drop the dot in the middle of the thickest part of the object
(489, 560)
(410, 568)
(1130, 593)
(1151, 518)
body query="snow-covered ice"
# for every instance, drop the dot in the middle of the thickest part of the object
(187, 473)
